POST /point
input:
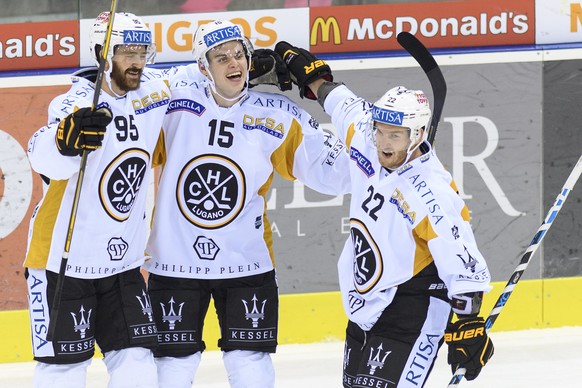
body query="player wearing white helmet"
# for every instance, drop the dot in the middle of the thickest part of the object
(407, 110)
(131, 43)
(411, 258)
(211, 238)
(223, 55)
(104, 298)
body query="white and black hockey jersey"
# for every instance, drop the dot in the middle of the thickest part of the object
(209, 220)
(110, 226)
(400, 222)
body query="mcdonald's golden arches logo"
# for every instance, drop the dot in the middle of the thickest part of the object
(327, 26)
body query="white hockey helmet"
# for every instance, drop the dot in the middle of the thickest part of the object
(404, 108)
(127, 29)
(215, 33)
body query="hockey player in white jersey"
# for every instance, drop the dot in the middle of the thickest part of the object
(104, 297)
(411, 257)
(210, 237)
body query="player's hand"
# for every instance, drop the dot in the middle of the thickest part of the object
(469, 346)
(268, 68)
(304, 67)
(83, 129)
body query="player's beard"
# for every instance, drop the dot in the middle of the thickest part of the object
(122, 80)
(393, 159)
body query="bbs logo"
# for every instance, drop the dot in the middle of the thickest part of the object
(121, 182)
(368, 266)
(211, 191)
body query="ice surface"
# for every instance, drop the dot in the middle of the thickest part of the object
(531, 358)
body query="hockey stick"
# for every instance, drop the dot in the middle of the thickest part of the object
(437, 82)
(61, 277)
(533, 246)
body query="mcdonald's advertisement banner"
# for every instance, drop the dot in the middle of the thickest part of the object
(452, 24)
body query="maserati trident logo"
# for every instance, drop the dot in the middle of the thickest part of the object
(146, 305)
(347, 351)
(82, 325)
(377, 361)
(470, 262)
(171, 317)
(254, 314)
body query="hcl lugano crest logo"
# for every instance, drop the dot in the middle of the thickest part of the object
(121, 182)
(254, 314)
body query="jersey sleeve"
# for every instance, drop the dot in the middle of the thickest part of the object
(177, 75)
(319, 159)
(42, 151)
(453, 247)
(348, 112)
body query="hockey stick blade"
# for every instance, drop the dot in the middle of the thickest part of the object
(525, 259)
(437, 81)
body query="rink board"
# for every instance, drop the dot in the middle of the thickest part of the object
(319, 317)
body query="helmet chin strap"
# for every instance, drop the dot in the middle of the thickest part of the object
(409, 151)
(243, 92)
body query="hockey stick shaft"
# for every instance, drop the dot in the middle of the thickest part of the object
(434, 74)
(56, 303)
(525, 259)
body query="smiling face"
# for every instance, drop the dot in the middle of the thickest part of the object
(228, 68)
(128, 64)
(392, 144)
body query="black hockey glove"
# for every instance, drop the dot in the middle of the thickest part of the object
(469, 346)
(82, 130)
(268, 68)
(304, 67)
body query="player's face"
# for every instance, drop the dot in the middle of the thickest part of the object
(228, 66)
(128, 63)
(392, 144)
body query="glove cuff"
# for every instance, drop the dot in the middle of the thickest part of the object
(467, 304)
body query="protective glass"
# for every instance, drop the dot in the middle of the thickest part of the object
(133, 53)
(394, 140)
(224, 53)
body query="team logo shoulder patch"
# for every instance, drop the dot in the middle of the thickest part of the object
(121, 182)
(211, 191)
